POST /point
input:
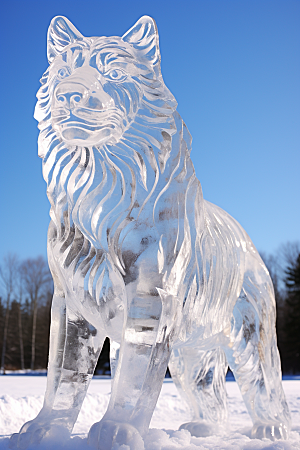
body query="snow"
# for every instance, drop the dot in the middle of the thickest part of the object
(21, 398)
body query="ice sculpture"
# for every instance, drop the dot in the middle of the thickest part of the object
(137, 254)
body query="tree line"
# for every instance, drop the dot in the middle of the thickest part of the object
(24, 312)
(26, 290)
(284, 268)
(25, 305)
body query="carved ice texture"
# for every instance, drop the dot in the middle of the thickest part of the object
(138, 255)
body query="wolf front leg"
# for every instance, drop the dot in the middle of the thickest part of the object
(143, 360)
(74, 349)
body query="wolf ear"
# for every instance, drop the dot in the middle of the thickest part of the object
(144, 37)
(61, 33)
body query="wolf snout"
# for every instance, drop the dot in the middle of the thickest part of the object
(72, 95)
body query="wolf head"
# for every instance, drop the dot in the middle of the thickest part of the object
(95, 86)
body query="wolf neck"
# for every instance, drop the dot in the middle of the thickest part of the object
(103, 190)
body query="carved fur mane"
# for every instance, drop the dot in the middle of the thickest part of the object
(101, 191)
(99, 194)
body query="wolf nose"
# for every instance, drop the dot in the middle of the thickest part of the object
(71, 95)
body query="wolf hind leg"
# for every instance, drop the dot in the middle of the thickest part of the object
(254, 358)
(200, 379)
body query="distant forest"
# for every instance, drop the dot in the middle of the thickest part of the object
(25, 303)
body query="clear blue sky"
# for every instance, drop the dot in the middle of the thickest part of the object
(233, 66)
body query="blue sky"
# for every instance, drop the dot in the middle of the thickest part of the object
(233, 66)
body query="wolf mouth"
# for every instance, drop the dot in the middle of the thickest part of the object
(84, 116)
(85, 126)
(81, 125)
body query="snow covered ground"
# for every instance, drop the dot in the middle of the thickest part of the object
(21, 399)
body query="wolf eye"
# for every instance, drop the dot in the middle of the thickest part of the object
(63, 73)
(116, 75)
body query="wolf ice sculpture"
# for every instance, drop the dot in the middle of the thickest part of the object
(137, 254)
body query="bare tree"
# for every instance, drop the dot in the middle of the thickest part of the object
(287, 254)
(8, 275)
(20, 298)
(277, 263)
(275, 271)
(36, 276)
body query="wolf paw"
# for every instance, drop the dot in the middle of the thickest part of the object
(108, 434)
(200, 428)
(272, 432)
(33, 432)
